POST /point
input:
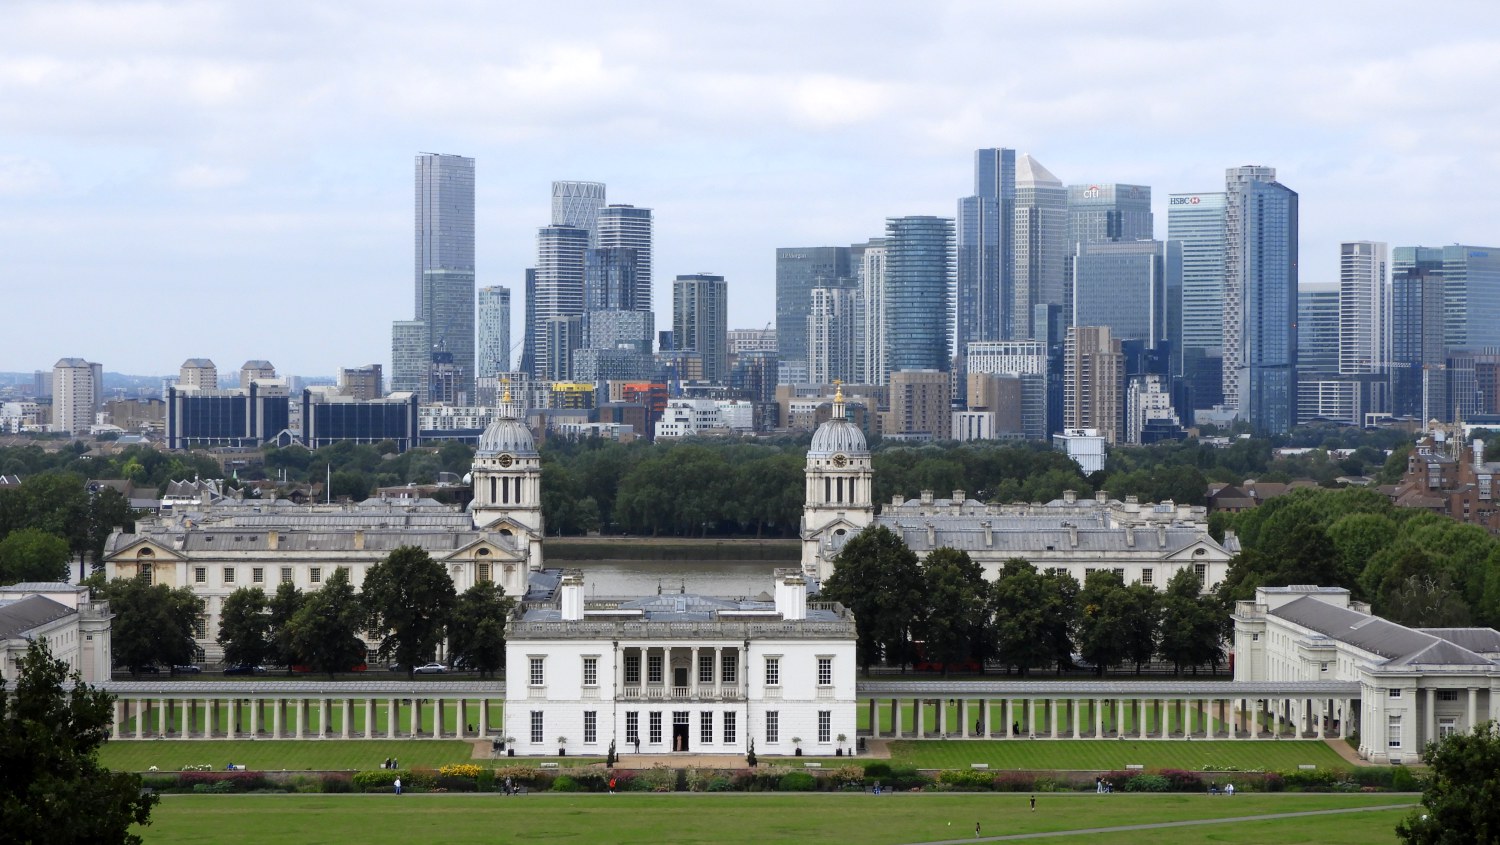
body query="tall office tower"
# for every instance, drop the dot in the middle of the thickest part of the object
(629, 227)
(577, 204)
(1260, 298)
(252, 370)
(363, 383)
(1471, 291)
(559, 282)
(1023, 360)
(918, 277)
(830, 335)
(77, 386)
(200, 373)
(1318, 332)
(700, 322)
(563, 336)
(449, 299)
(798, 271)
(1041, 245)
(445, 217)
(1094, 382)
(1418, 380)
(986, 256)
(872, 359)
(609, 279)
(1109, 212)
(1364, 309)
(1197, 222)
(1128, 287)
(528, 337)
(411, 357)
(492, 356)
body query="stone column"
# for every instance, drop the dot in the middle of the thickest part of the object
(390, 718)
(300, 706)
(1052, 706)
(118, 708)
(161, 717)
(369, 718)
(416, 717)
(255, 717)
(460, 715)
(1344, 717)
(693, 666)
(322, 718)
(1118, 705)
(1431, 719)
(437, 718)
(874, 718)
(1322, 709)
(895, 718)
(963, 716)
(278, 706)
(348, 717)
(1473, 707)
(231, 718)
(1008, 710)
(917, 718)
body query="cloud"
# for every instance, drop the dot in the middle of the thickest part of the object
(22, 176)
(196, 177)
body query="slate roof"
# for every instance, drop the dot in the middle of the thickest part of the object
(1477, 640)
(1400, 645)
(1032, 534)
(18, 617)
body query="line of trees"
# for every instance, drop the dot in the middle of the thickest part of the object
(941, 610)
(52, 518)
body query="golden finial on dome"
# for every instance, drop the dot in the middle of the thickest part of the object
(838, 391)
(505, 380)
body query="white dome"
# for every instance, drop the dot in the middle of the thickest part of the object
(506, 435)
(838, 436)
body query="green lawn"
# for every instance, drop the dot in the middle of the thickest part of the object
(759, 818)
(296, 755)
(1112, 754)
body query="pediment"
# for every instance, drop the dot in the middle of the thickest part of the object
(152, 551)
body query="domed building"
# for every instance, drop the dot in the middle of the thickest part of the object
(839, 495)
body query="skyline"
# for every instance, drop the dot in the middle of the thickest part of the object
(150, 147)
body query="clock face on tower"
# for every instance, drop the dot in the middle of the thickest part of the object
(840, 460)
(506, 460)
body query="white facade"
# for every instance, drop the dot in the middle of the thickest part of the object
(1086, 446)
(1021, 357)
(1364, 308)
(681, 674)
(687, 417)
(76, 629)
(76, 388)
(1415, 685)
(1146, 400)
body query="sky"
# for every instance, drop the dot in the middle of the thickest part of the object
(234, 180)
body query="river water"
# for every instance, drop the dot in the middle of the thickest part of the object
(633, 578)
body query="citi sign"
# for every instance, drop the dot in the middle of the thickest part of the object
(1183, 201)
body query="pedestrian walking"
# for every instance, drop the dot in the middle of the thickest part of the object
(1033, 803)
(398, 786)
(611, 786)
(1229, 790)
(976, 830)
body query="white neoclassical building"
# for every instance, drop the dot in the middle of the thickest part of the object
(681, 674)
(218, 546)
(1415, 684)
(1142, 542)
(76, 629)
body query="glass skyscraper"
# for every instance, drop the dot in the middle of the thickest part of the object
(577, 204)
(1471, 295)
(448, 298)
(629, 227)
(1041, 246)
(1364, 309)
(1317, 333)
(700, 322)
(560, 259)
(1109, 212)
(492, 355)
(986, 256)
(1127, 286)
(919, 273)
(444, 216)
(1260, 298)
(798, 271)
(1418, 382)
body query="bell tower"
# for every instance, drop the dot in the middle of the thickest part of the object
(507, 472)
(839, 492)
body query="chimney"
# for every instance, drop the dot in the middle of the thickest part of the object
(1072, 534)
(1070, 497)
(273, 540)
(926, 497)
(571, 593)
(1161, 536)
(1101, 496)
(1130, 536)
(989, 534)
(791, 596)
(897, 500)
(960, 496)
(359, 540)
(931, 536)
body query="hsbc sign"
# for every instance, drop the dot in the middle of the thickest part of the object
(1183, 201)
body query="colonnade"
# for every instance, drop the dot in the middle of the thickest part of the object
(261, 716)
(1195, 716)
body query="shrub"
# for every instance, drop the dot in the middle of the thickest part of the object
(1402, 780)
(968, 780)
(485, 782)
(798, 782)
(445, 783)
(878, 769)
(848, 777)
(564, 783)
(460, 770)
(1273, 782)
(377, 781)
(657, 779)
(907, 777)
(1313, 780)
(1148, 783)
(1011, 782)
(1185, 781)
(335, 783)
(1048, 784)
(719, 783)
(518, 774)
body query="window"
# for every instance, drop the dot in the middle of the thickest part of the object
(1323, 667)
(1120, 573)
(1147, 576)
(729, 732)
(706, 668)
(1201, 570)
(200, 628)
(653, 668)
(229, 575)
(632, 668)
(258, 575)
(537, 731)
(1393, 732)
(1447, 695)
(590, 727)
(1394, 693)
(591, 671)
(315, 574)
(773, 671)
(372, 655)
(200, 575)
(538, 677)
(484, 572)
(655, 727)
(632, 726)
(729, 673)
(286, 575)
(825, 671)
(1255, 638)
(706, 728)
(146, 574)
(773, 726)
(1447, 727)
(825, 726)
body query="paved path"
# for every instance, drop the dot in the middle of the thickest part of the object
(1344, 750)
(1128, 828)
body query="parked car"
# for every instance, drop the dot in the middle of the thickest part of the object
(245, 669)
(430, 669)
(187, 669)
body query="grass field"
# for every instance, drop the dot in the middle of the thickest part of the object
(1107, 754)
(760, 818)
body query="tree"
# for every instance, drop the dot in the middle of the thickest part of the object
(1190, 626)
(954, 621)
(1461, 803)
(324, 633)
(107, 510)
(283, 609)
(1101, 605)
(1033, 613)
(1140, 623)
(153, 623)
(32, 554)
(476, 630)
(54, 789)
(877, 577)
(410, 597)
(245, 627)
